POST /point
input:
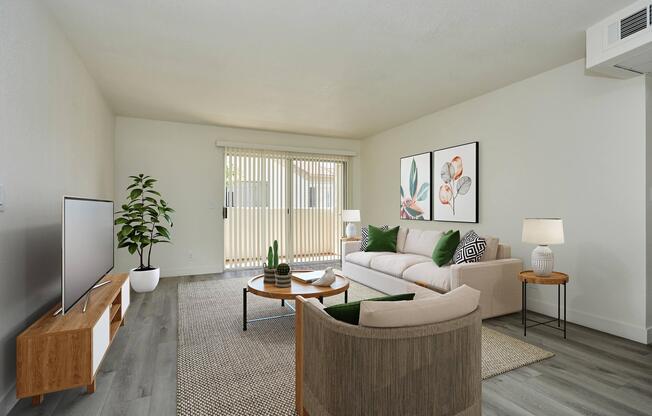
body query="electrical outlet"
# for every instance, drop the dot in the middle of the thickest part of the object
(190, 255)
(2, 198)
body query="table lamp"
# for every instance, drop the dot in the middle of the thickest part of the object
(351, 216)
(543, 232)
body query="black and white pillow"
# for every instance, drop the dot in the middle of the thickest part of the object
(470, 249)
(364, 236)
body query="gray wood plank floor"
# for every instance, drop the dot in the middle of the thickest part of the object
(592, 373)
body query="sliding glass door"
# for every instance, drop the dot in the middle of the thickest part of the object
(294, 198)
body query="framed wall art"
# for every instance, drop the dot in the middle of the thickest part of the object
(455, 183)
(416, 189)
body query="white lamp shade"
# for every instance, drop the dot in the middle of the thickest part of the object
(543, 231)
(351, 215)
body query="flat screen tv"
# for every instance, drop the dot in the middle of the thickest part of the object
(87, 247)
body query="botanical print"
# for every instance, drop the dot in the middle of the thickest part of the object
(416, 197)
(456, 183)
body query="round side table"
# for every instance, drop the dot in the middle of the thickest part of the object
(556, 278)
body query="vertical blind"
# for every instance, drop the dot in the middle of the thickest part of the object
(295, 198)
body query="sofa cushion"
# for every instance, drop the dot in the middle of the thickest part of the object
(382, 240)
(445, 247)
(491, 251)
(400, 239)
(363, 258)
(454, 304)
(364, 236)
(421, 242)
(470, 249)
(432, 275)
(395, 264)
(350, 312)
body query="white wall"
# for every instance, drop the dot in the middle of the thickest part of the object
(56, 138)
(190, 172)
(562, 143)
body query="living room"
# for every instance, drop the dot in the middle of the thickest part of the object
(471, 208)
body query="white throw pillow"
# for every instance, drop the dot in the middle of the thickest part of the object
(421, 242)
(400, 239)
(491, 251)
(454, 304)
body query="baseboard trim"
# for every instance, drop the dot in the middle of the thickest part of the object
(189, 271)
(649, 335)
(620, 329)
(8, 401)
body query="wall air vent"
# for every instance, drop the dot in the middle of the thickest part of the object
(633, 23)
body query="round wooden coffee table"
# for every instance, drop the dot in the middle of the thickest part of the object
(258, 287)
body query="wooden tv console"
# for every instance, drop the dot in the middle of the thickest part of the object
(64, 351)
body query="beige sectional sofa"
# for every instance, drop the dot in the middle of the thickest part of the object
(495, 276)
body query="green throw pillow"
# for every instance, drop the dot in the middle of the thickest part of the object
(380, 240)
(350, 312)
(445, 248)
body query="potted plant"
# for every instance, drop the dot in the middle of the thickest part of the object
(283, 278)
(269, 268)
(141, 220)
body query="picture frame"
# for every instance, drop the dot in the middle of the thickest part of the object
(456, 171)
(416, 187)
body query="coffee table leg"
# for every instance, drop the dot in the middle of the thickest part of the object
(282, 302)
(244, 309)
(321, 299)
(346, 296)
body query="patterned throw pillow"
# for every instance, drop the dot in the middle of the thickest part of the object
(364, 236)
(470, 248)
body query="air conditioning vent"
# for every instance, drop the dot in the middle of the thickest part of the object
(633, 23)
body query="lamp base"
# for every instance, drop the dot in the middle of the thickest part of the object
(351, 231)
(543, 261)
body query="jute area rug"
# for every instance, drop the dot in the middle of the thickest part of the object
(223, 370)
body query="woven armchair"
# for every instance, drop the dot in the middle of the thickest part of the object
(346, 370)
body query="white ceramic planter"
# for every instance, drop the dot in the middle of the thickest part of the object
(144, 281)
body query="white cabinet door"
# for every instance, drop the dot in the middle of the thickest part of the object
(100, 339)
(125, 297)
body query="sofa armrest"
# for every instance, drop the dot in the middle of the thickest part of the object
(349, 247)
(497, 280)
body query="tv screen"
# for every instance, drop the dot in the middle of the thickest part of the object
(87, 246)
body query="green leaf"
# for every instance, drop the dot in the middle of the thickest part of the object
(126, 230)
(414, 178)
(163, 231)
(121, 220)
(135, 193)
(151, 191)
(424, 192)
(132, 248)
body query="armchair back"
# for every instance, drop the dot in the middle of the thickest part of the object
(344, 369)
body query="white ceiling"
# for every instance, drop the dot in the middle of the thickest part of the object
(346, 68)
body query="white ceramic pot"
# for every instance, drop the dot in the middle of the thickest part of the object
(145, 280)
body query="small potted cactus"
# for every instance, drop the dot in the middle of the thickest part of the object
(283, 275)
(269, 268)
